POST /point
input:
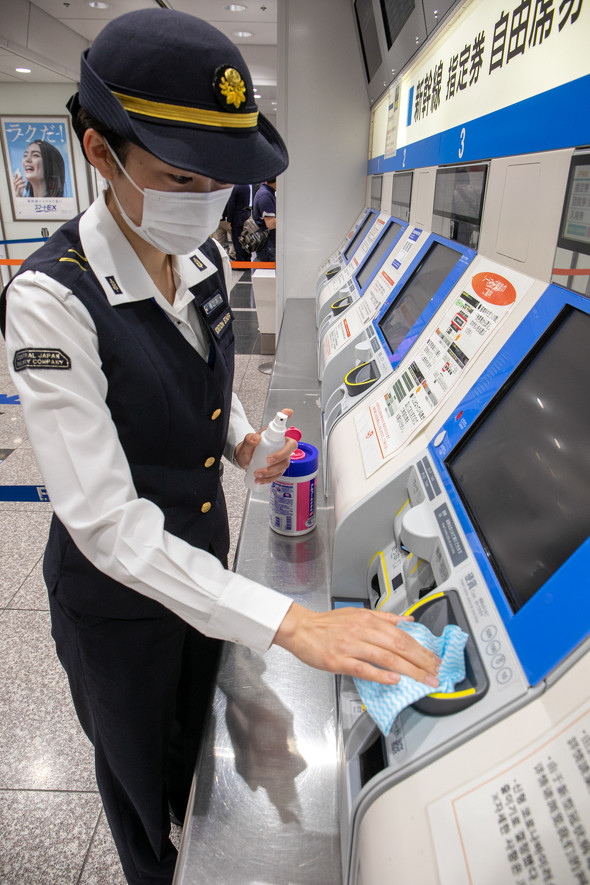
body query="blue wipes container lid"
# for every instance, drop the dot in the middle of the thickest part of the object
(304, 461)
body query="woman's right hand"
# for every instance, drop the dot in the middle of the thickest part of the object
(357, 642)
(19, 183)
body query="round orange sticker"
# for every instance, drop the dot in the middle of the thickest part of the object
(493, 288)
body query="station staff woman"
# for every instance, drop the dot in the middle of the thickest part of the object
(119, 339)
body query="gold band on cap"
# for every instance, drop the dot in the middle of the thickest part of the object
(179, 114)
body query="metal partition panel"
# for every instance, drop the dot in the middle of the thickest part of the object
(263, 807)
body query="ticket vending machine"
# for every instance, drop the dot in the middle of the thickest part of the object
(348, 249)
(342, 328)
(358, 352)
(355, 280)
(497, 511)
(363, 239)
(335, 262)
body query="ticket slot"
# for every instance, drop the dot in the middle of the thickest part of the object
(385, 586)
(342, 302)
(340, 305)
(435, 611)
(363, 376)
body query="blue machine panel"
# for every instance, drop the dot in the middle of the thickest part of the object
(515, 462)
(374, 260)
(359, 235)
(419, 293)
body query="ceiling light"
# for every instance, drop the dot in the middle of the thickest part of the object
(98, 4)
(243, 34)
(23, 70)
(235, 7)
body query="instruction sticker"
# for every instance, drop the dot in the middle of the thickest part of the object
(526, 822)
(382, 284)
(341, 332)
(421, 383)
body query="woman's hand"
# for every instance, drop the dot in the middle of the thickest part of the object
(277, 462)
(19, 183)
(358, 642)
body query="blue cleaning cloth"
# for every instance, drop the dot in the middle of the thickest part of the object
(384, 702)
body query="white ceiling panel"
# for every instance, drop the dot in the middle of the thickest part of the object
(48, 36)
(9, 61)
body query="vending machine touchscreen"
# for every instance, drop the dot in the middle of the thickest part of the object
(400, 318)
(335, 261)
(327, 275)
(356, 285)
(518, 479)
(359, 235)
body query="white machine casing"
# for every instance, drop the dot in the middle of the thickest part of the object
(518, 235)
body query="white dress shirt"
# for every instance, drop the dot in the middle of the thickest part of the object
(81, 459)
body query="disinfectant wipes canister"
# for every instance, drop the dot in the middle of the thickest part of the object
(292, 497)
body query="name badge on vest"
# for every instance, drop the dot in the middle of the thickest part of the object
(220, 325)
(213, 304)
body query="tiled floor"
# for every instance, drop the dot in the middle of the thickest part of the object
(52, 827)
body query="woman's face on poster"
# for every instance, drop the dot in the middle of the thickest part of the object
(33, 164)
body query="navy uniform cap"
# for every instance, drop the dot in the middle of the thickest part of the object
(176, 86)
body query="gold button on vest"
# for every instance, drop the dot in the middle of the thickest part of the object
(209, 462)
(216, 414)
(206, 507)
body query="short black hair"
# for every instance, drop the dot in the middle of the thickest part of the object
(82, 120)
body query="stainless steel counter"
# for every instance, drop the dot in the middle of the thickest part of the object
(263, 810)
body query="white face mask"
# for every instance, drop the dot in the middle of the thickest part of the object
(175, 223)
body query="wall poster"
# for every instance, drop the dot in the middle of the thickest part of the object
(40, 168)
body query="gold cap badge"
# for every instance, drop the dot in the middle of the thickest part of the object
(230, 89)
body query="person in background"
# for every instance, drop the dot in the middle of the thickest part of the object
(237, 210)
(264, 212)
(223, 236)
(43, 172)
(120, 344)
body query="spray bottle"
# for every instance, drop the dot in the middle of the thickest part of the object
(271, 441)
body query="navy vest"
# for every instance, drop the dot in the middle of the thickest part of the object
(171, 410)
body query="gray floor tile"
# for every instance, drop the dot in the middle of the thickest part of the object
(254, 379)
(102, 865)
(240, 367)
(23, 537)
(20, 468)
(253, 401)
(45, 836)
(43, 746)
(32, 595)
(12, 426)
